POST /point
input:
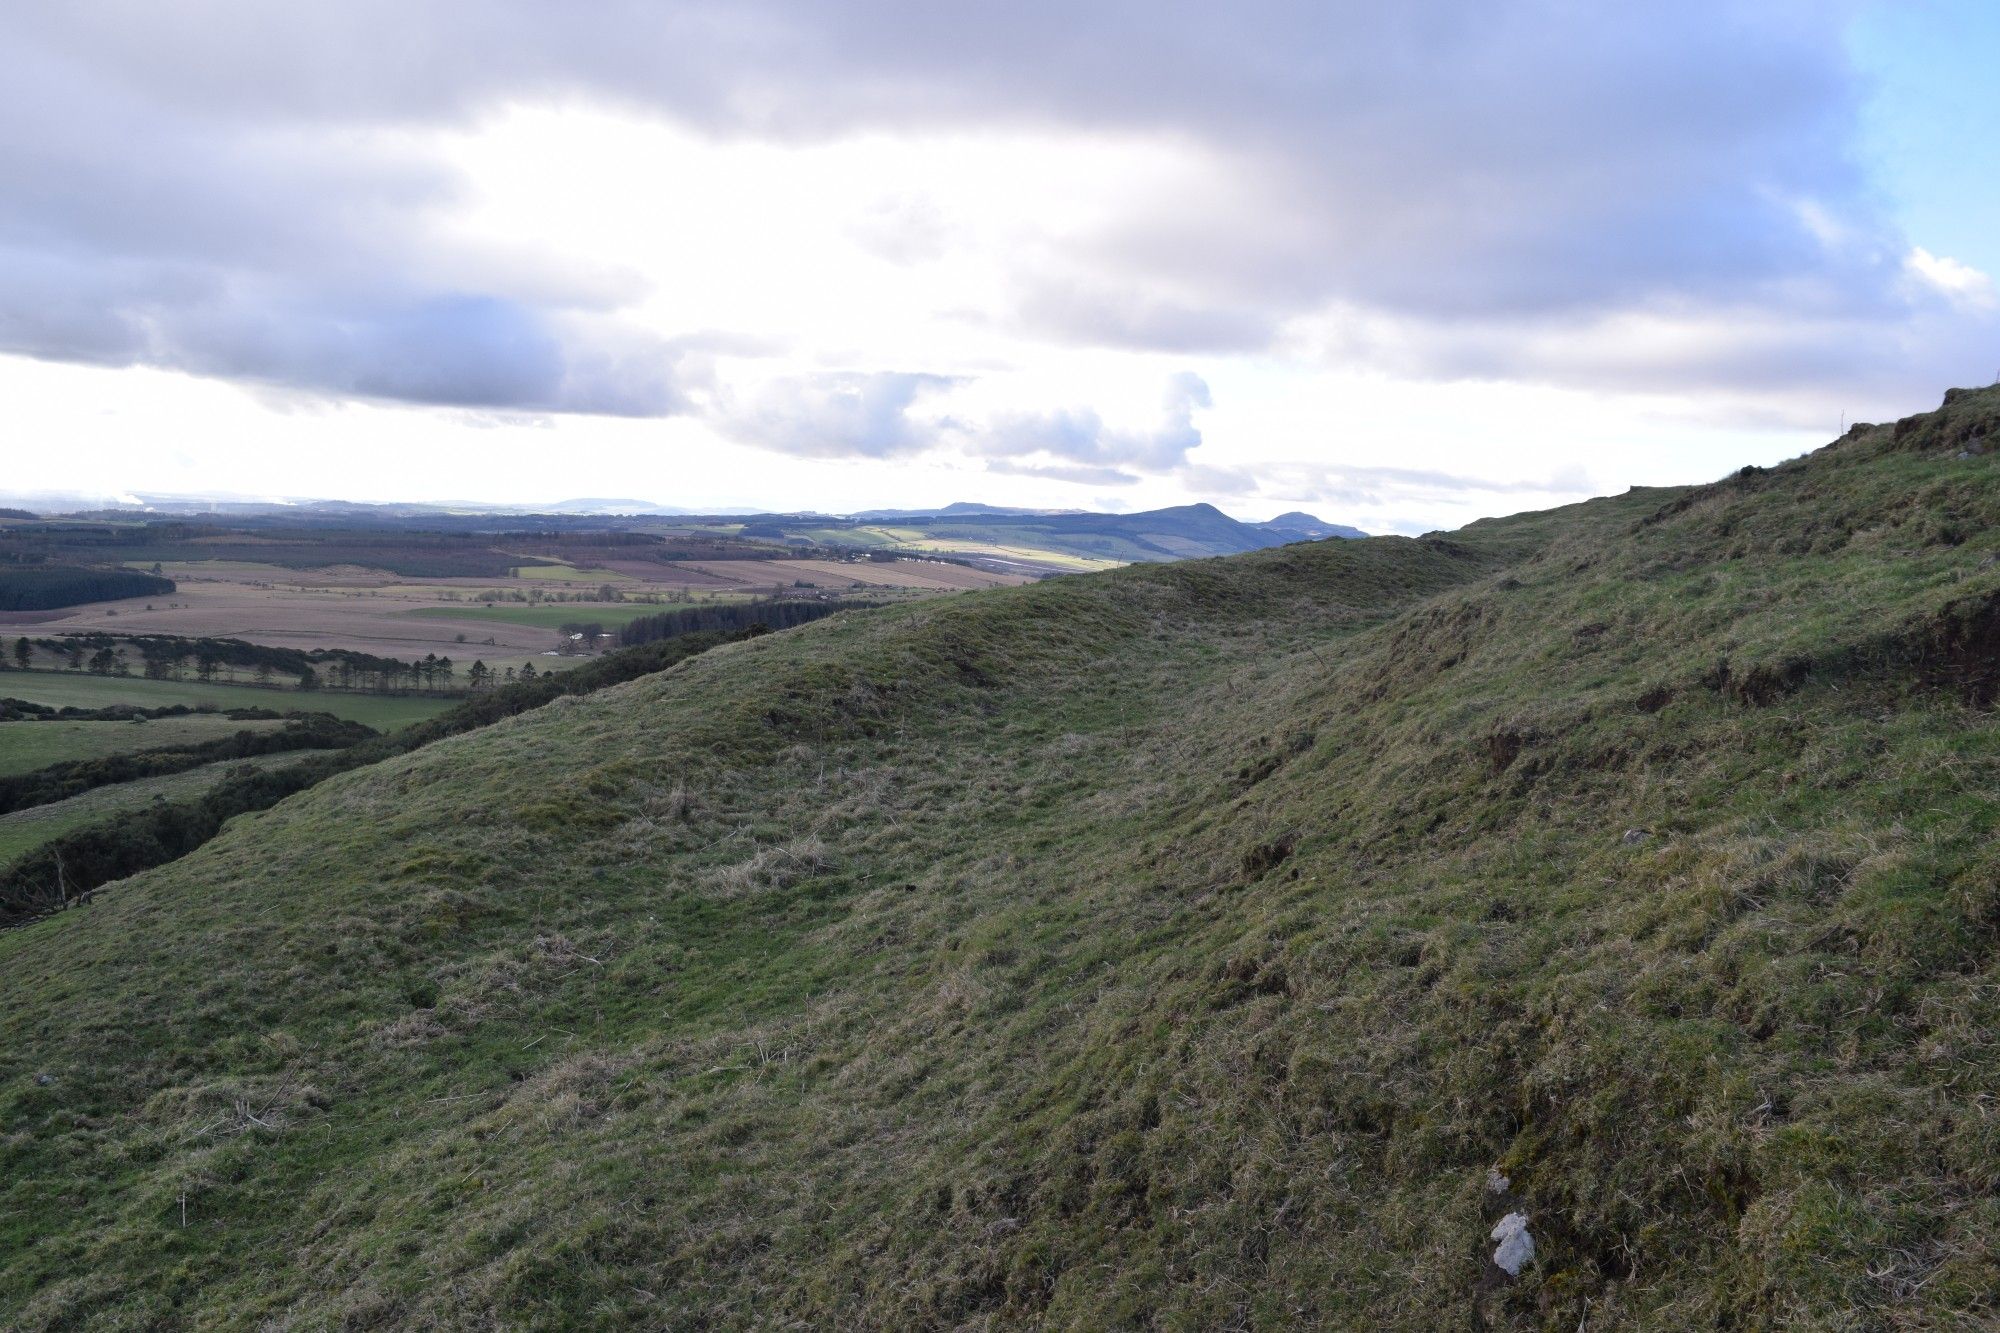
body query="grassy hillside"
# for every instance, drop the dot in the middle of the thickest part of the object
(1188, 946)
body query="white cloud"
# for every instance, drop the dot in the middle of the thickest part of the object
(1960, 282)
(1076, 444)
(835, 415)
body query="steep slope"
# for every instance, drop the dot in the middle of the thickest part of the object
(1184, 946)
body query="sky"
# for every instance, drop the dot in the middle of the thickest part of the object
(1401, 266)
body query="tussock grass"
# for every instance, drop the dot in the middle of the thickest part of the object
(1178, 947)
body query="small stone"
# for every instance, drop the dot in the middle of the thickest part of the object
(1634, 836)
(1517, 1248)
(1496, 1180)
(43, 1080)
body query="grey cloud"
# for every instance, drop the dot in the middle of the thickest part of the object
(836, 415)
(453, 350)
(851, 414)
(1750, 363)
(1434, 164)
(1334, 483)
(1081, 475)
(1074, 305)
(1080, 440)
(284, 254)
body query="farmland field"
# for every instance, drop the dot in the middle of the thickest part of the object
(24, 830)
(1026, 555)
(363, 611)
(547, 615)
(26, 746)
(923, 575)
(363, 618)
(76, 690)
(569, 574)
(505, 616)
(388, 615)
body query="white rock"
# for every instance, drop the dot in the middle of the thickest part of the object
(1517, 1247)
(1496, 1180)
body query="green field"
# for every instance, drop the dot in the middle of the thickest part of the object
(547, 615)
(868, 537)
(24, 830)
(26, 746)
(570, 574)
(62, 689)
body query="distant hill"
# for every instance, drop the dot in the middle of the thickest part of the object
(1029, 539)
(1241, 943)
(1307, 528)
(1176, 533)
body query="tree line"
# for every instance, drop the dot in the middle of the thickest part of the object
(176, 657)
(25, 710)
(419, 554)
(51, 587)
(774, 614)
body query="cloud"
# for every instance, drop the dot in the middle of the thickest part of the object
(1961, 283)
(1078, 446)
(1359, 485)
(1745, 360)
(450, 349)
(1076, 474)
(253, 191)
(835, 415)
(892, 414)
(1076, 306)
(136, 230)
(906, 229)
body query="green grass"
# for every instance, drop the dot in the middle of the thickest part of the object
(1179, 947)
(869, 536)
(60, 689)
(26, 746)
(567, 573)
(547, 615)
(24, 830)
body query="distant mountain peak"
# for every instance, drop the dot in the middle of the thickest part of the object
(1308, 525)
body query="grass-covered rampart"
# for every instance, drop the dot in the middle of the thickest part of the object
(1190, 946)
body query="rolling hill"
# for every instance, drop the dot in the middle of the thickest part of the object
(1228, 943)
(1178, 533)
(1301, 526)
